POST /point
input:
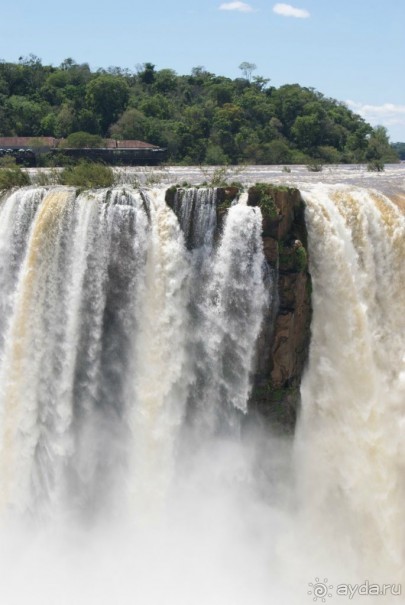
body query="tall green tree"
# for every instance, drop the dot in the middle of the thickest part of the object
(108, 97)
(247, 69)
(379, 147)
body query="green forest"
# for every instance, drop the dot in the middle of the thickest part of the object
(201, 118)
(400, 149)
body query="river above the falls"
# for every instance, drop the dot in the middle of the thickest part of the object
(391, 180)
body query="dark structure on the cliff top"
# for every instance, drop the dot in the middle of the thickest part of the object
(26, 151)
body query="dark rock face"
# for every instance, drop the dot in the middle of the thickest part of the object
(283, 346)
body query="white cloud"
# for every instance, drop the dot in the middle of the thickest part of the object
(242, 7)
(286, 10)
(387, 114)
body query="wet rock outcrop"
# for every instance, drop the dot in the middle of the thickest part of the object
(283, 346)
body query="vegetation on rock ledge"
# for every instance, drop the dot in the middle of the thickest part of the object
(12, 175)
(87, 175)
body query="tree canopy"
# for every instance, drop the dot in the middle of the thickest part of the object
(199, 118)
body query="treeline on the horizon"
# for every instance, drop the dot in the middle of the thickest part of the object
(400, 149)
(200, 118)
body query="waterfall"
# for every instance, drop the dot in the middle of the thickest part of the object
(227, 305)
(117, 319)
(350, 437)
(130, 468)
(196, 211)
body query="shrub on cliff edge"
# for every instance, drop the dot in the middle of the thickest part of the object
(13, 176)
(87, 175)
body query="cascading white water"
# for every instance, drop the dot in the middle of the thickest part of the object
(229, 297)
(16, 214)
(99, 352)
(350, 448)
(159, 378)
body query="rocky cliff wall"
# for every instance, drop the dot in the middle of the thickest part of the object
(283, 346)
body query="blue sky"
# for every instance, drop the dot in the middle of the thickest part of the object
(352, 50)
